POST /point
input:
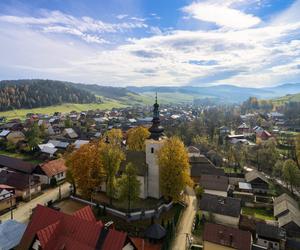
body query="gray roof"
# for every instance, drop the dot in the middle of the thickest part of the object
(11, 233)
(221, 205)
(155, 231)
(287, 218)
(214, 182)
(138, 159)
(254, 174)
(269, 231)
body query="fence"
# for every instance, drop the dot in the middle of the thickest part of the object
(132, 216)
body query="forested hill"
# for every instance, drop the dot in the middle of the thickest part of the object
(16, 94)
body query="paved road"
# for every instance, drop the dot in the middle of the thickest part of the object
(186, 222)
(23, 211)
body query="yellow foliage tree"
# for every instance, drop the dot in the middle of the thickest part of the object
(85, 168)
(137, 137)
(174, 167)
(114, 136)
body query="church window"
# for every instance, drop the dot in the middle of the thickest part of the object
(152, 150)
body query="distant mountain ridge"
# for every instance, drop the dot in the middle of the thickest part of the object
(17, 94)
(224, 93)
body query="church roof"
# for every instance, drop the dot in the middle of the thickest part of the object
(138, 159)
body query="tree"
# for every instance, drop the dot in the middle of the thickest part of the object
(199, 190)
(291, 174)
(174, 167)
(137, 137)
(298, 149)
(267, 155)
(111, 157)
(278, 168)
(33, 136)
(86, 168)
(114, 136)
(129, 185)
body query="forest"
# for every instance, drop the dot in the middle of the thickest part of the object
(18, 94)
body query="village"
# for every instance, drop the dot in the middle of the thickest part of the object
(238, 186)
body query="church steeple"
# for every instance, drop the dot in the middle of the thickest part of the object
(156, 130)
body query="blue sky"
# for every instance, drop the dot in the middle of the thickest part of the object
(152, 42)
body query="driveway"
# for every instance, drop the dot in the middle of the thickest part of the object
(23, 211)
(186, 222)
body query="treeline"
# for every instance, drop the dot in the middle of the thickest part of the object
(18, 94)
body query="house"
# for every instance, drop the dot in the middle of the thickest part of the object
(258, 181)
(80, 230)
(269, 236)
(224, 131)
(12, 126)
(16, 164)
(224, 210)
(284, 204)
(15, 137)
(79, 143)
(291, 223)
(225, 238)
(214, 184)
(243, 128)
(7, 197)
(52, 169)
(47, 149)
(25, 185)
(201, 165)
(263, 135)
(4, 134)
(193, 151)
(11, 233)
(70, 133)
(59, 144)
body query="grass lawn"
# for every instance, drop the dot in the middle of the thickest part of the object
(64, 108)
(24, 157)
(230, 170)
(259, 213)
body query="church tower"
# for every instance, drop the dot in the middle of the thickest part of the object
(153, 144)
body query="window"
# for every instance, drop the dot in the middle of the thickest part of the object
(152, 150)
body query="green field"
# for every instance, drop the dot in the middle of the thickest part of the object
(64, 108)
(284, 99)
(259, 213)
(130, 100)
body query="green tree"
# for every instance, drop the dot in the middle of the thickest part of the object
(129, 185)
(291, 174)
(278, 168)
(298, 149)
(174, 167)
(111, 157)
(33, 136)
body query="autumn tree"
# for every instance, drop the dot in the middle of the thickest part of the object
(174, 167)
(85, 168)
(111, 157)
(291, 174)
(137, 137)
(114, 136)
(129, 185)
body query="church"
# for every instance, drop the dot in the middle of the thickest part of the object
(146, 162)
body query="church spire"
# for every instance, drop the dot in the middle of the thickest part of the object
(156, 130)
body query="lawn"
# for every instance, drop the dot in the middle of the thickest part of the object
(230, 170)
(259, 213)
(64, 108)
(24, 157)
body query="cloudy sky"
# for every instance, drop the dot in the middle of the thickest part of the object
(152, 42)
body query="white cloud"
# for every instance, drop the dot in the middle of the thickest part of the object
(221, 14)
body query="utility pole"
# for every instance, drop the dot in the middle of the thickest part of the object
(11, 208)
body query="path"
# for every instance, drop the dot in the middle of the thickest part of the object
(23, 211)
(186, 222)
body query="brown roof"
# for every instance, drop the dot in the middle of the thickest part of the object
(54, 167)
(214, 182)
(16, 164)
(227, 236)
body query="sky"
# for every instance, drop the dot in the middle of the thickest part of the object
(249, 43)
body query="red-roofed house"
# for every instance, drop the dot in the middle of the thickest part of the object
(52, 169)
(49, 229)
(223, 237)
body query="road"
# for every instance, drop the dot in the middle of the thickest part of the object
(23, 211)
(186, 222)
